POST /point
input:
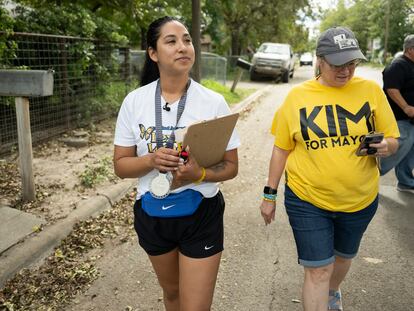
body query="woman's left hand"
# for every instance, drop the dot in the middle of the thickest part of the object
(187, 172)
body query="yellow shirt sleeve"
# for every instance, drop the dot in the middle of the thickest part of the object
(384, 117)
(280, 128)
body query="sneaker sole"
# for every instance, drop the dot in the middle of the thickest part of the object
(405, 190)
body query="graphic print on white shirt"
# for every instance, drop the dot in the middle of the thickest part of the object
(148, 134)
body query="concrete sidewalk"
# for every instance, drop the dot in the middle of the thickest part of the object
(38, 246)
(21, 246)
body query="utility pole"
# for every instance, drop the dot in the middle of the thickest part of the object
(387, 29)
(195, 34)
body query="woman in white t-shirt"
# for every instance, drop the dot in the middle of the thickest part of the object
(179, 208)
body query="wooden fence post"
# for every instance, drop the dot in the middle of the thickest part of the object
(25, 148)
(23, 84)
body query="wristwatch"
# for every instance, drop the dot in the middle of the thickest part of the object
(269, 190)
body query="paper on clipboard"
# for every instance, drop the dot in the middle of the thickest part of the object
(208, 139)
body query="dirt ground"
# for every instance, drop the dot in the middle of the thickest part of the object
(57, 171)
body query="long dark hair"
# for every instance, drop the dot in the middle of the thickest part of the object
(150, 70)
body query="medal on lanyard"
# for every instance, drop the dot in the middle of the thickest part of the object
(160, 185)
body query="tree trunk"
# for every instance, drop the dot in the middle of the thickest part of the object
(143, 39)
(235, 38)
(195, 34)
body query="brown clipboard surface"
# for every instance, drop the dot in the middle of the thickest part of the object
(208, 139)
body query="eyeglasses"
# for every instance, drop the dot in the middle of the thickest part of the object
(350, 66)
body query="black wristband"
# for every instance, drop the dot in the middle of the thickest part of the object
(269, 190)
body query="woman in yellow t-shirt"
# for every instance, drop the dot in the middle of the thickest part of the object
(331, 194)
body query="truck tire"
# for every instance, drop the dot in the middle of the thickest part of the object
(285, 77)
(253, 76)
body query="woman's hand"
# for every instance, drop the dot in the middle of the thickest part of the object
(187, 172)
(385, 148)
(268, 210)
(165, 159)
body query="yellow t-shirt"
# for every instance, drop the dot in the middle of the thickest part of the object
(322, 127)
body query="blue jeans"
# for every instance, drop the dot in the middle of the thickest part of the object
(403, 159)
(320, 235)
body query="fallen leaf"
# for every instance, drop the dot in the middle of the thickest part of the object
(373, 260)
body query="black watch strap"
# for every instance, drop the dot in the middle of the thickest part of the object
(269, 190)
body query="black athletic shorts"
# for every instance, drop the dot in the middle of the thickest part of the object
(198, 236)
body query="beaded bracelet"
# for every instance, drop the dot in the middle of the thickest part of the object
(269, 197)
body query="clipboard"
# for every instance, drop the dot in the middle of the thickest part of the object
(208, 139)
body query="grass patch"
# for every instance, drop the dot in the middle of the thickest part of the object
(231, 74)
(94, 175)
(231, 98)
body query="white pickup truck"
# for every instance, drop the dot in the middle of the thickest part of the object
(273, 60)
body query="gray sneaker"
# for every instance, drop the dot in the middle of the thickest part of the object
(405, 189)
(335, 300)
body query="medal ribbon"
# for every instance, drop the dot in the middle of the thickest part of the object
(158, 116)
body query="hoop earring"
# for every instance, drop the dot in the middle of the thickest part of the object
(318, 72)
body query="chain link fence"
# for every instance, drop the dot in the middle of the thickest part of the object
(232, 68)
(91, 78)
(89, 83)
(213, 66)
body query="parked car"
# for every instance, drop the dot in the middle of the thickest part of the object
(306, 59)
(273, 60)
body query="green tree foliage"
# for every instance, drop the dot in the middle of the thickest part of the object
(73, 20)
(248, 23)
(367, 19)
(65, 18)
(234, 25)
(7, 47)
(6, 22)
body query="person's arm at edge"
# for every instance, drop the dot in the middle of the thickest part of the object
(396, 96)
(276, 168)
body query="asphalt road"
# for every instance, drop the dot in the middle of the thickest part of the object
(259, 269)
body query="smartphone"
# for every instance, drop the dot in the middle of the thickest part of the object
(372, 138)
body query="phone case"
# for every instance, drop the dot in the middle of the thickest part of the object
(372, 138)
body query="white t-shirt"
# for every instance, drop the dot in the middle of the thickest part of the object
(136, 125)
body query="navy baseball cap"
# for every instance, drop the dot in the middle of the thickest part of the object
(338, 46)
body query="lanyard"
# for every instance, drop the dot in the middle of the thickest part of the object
(158, 116)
